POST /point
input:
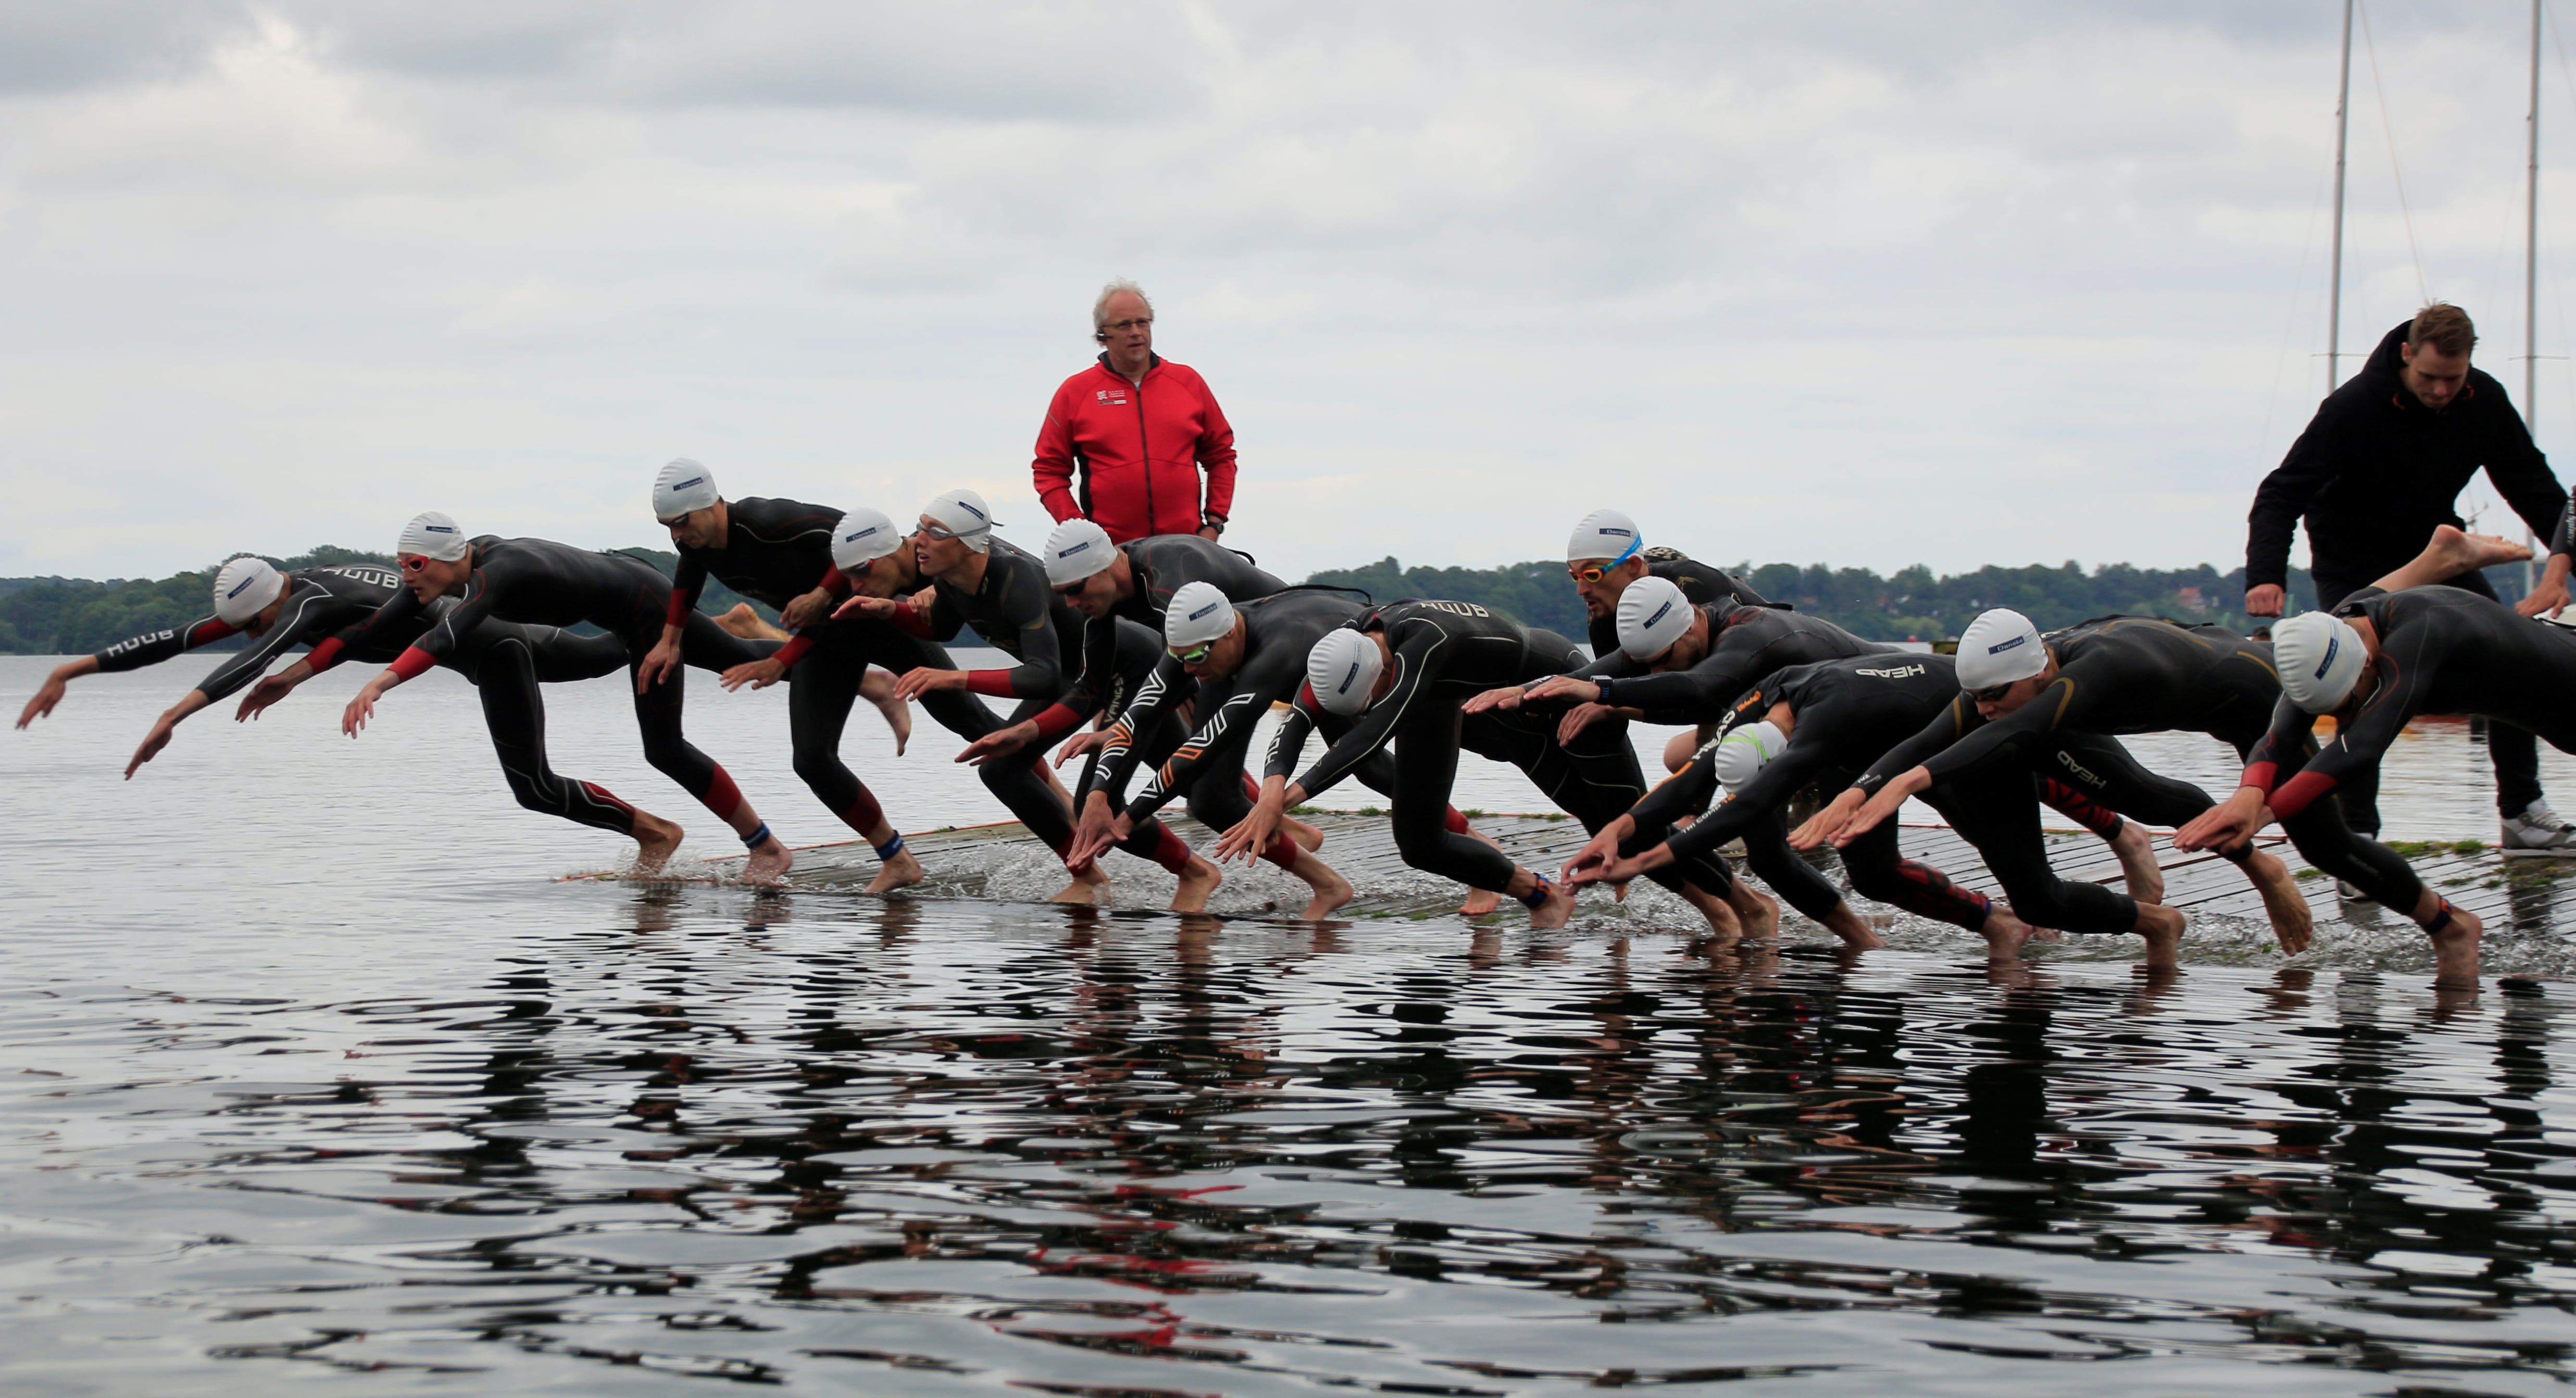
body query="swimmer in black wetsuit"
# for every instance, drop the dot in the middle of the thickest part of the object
(1403, 674)
(1001, 592)
(2390, 651)
(1827, 722)
(2111, 676)
(1608, 552)
(780, 552)
(1675, 663)
(538, 580)
(311, 605)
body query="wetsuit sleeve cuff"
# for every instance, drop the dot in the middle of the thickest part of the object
(414, 663)
(677, 614)
(325, 655)
(2260, 775)
(833, 582)
(2298, 793)
(1055, 721)
(912, 621)
(794, 650)
(996, 683)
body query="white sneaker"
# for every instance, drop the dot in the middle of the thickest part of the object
(2538, 833)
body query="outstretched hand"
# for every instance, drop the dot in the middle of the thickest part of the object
(1829, 822)
(1506, 699)
(362, 706)
(2228, 824)
(1600, 853)
(44, 700)
(1082, 745)
(925, 680)
(759, 674)
(1580, 717)
(880, 608)
(261, 696)
(1001, 742)
(2550, 597)
(1253, 834)
(152, 744)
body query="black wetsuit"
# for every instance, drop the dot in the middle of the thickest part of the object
(1018, 614)
(1848, 712)
(1701, 585)
(2119, 675)
(1744, 644)
(2373, 474)
(506, 662)
(775, 552)
(1445, 654)
(1162, 565)
(2441, 651)
(541, 581)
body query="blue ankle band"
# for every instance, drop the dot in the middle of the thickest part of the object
(890, 848)
(757, 838)
(1537, 897)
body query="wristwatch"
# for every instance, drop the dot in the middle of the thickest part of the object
(1215, 522)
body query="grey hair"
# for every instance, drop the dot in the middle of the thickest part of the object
(1121, 284)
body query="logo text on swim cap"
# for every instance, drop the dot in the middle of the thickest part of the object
(1345, 686)
(1660, 613)
(244, 585)
(1208, 610)
(854, 538)
(2001, 646)
(683, 485)
(2333, 644)
(1068, 553)
(979, 514)
(1621, 533)
(438, 529)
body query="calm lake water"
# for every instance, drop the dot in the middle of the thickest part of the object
(313, 1076)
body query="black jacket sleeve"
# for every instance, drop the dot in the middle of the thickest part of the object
(2285, 495)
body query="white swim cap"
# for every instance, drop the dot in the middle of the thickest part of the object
(1199, 614)
(862, 536)
(244, 588)
(683, 487)
(432, 535)
(1604, 534)
(1342, 669)
(964, 514)
(2320, 657)
(1999, 647)
(1077, 549)
(1653, 614)
(1743, 751)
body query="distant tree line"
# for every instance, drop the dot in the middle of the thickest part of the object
(47, 616)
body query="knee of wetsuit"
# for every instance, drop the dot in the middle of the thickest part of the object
(1218, 805)
(1419, 840)
(817, 766)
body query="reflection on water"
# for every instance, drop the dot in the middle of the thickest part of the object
(309, 1074)
(948, 1147)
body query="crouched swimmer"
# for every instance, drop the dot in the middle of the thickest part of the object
(2379, 659)
(781, 552)
(2020, 691)
(981, 581)
(1825, 722)
(1606, 553)
(1403, 674)
(538, 580)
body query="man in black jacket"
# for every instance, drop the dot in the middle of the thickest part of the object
(2379, 467)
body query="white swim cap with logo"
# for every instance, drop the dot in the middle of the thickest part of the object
(863, 536)
(1999, 647)
(1077, 549)
(244, 588)
(1604, 534)
(1653, 614)
(1342, 669)
(964, 514)
(2320, 658)
(1743, 751)
(1199, 613)
(683, 488)
(432, 534)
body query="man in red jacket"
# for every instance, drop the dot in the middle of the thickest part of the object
(1125, 439)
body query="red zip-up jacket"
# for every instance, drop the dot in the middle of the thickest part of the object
(1128, 456)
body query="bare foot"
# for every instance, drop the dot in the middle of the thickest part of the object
(2455, 951)
(2004, 936)
(1855, 931)
(1087, 888)
(2162, 927)
(2137, 851)
(2292, 923)
(902, 871)
(2458, 551)
(769, 863)
(1199, 878)
(1308, 838)
(656, 840)
(746, 623)
(1557, 911)
(1332, 891)
(1754, 909)
(1480, 901)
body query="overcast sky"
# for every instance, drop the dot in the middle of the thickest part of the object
(1870, 285)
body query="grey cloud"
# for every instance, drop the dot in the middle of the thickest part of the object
(53, 46)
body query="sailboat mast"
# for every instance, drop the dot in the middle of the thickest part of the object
(2334, 277)
(2531, 269)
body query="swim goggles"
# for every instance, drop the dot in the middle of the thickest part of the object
(1991, 694)
(1593, 575)
(942, 534)
(1195, 654)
